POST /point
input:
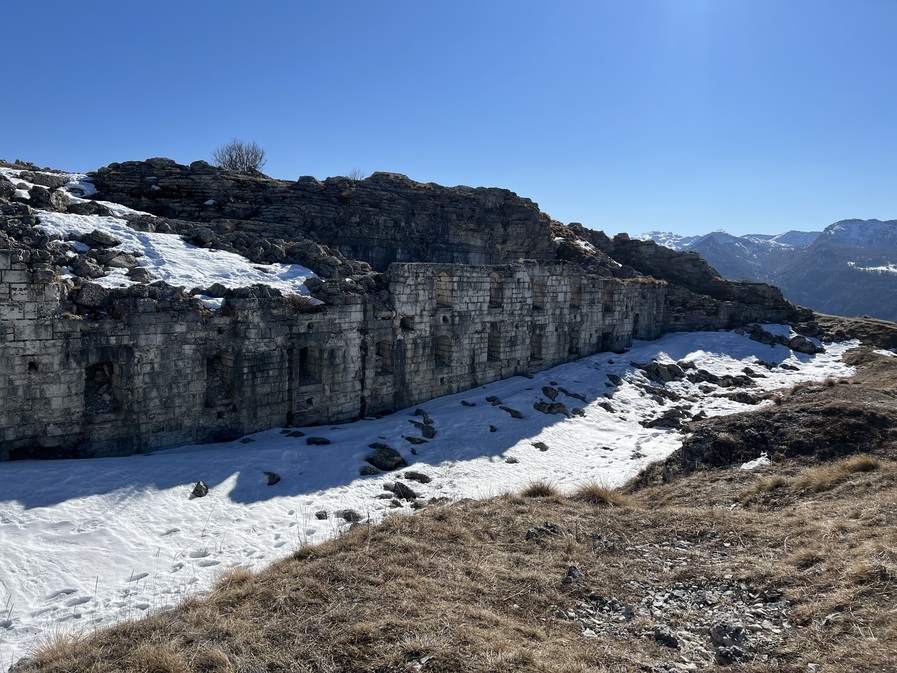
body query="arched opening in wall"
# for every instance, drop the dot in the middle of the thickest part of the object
(576, 293)
(635, 325)
(496, 295)
(384, 358)
(536, 351)
(309, 365)
(443, 351)
(102, 389)
(220, 388)
(493, 346)
(538, 294)
(573, 347)
(443, 289)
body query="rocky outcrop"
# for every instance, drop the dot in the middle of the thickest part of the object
(383, 219)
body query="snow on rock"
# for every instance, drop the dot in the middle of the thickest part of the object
(85, 543)
(168, 257)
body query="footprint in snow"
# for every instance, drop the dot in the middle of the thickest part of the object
(138, 576)
(176, 566)
(198, 553)
(281, 543)
(208, 563)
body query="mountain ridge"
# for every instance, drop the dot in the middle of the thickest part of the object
(844, 269)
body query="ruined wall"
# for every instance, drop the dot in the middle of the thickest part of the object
(144, 368)
(383, 219)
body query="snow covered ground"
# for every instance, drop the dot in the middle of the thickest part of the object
(86, 543)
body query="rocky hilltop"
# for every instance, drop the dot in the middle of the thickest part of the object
(379, 220)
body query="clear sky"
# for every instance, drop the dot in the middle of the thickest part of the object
(625, 115)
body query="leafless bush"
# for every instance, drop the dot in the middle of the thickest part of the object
(240, 156)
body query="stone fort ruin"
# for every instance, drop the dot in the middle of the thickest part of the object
(426, 291)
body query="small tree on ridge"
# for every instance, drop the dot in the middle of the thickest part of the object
(240, 157)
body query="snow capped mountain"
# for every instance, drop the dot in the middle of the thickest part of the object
(863, 233)
(797, 239)
(844, 270)
(668, 239)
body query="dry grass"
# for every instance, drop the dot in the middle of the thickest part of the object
(599, 495)
(540, 489)
(463, 585)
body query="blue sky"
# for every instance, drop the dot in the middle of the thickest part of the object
(625, 115)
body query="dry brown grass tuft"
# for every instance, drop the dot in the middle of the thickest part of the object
(540, 489)
(599, 495)
(826, 477)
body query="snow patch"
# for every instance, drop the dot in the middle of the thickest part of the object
(760, 461)
(168, 257)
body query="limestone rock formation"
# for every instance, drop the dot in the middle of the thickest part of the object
(382, 219)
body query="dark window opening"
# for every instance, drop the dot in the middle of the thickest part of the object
(102, 389)
(535, 346)
(309, 365)
(384, 358)
(444, 289)
(493, 346)
(443, 354)
(220, 388)
(495, 290)
(576, 294)
(573, 347)
(407, 324)
(538, 295)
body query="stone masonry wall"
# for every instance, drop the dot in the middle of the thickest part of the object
(155, 368)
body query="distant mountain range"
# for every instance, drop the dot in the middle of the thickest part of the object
(849, 268)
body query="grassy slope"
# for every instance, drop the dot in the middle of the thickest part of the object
(461, 588)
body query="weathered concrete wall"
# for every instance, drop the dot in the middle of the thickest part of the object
(154, 368)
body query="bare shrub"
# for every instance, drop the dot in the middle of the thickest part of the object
(356, 174)
(240, 157)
